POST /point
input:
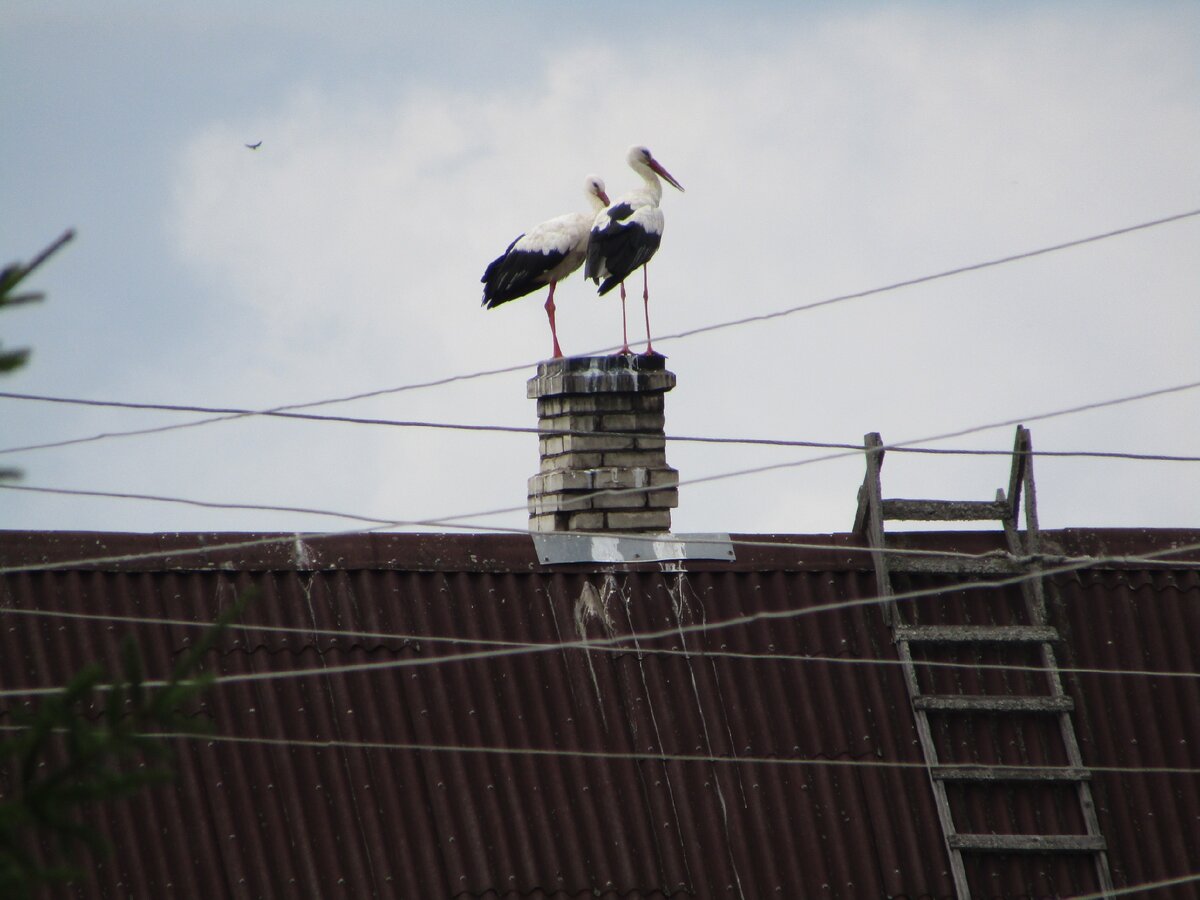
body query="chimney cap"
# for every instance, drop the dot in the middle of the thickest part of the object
(618, 373)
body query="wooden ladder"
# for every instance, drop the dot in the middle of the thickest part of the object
(1024, 549)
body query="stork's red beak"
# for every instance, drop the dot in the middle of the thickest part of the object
(603, 196)
(665, 175)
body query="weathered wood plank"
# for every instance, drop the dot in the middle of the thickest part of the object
(944, 510)
(969, 703)
(977, 634)
(1028, 843)
(1009, 773)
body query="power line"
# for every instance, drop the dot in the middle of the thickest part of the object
(443, 521)
(755, 543)
(925, 553)
(610, 755)
(679, 630)
(733, 323)
(632, 756)
(307, 536)
(962, 432)
(446, 521)
(1139, 888)
(792, 464)
(614, 646)
(924, 279)
(184, 501)
(523, 429)
(475, 526)
(699, 654)
(235, 412)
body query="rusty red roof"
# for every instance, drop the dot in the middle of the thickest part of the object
(773, 758)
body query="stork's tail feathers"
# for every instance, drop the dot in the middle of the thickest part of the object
(608, 284)
(493, 297)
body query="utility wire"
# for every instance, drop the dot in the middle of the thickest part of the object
(184, 501)
(243, 544)
(588, 644)
(700, 654)
(925, 279)
(541, 432)
(443, 522)
(1139, 888)
(733, 323)
(446, 521)
(749, 542)
(471, 526)
(633, 756)
(499, 529)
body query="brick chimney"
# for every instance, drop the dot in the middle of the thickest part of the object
(612, 409)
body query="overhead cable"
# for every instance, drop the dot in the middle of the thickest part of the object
(635, 756)
(679, 630)
(443, 521)
(543, 432)
(733, 323)
(446, 521)
(1141, 888)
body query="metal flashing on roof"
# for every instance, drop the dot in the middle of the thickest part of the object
(557, 549)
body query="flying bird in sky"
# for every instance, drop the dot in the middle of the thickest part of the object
(254, 146)
(626, 234)
(544, 255)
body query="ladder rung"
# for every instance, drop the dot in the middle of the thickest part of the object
(986, 703)
(975, 634)
(944, 565)
(1009, 773)
(1028, 843)
(945, 510)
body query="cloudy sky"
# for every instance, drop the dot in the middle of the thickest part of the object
(826, 149)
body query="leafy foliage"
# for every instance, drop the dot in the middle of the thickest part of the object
(63, 759)
(10, 277)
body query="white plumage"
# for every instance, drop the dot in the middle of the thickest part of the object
(626, 234)
(544, 255)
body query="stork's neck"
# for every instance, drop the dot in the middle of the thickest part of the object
(653, 184)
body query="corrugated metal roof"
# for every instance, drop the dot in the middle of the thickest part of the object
(734, 769)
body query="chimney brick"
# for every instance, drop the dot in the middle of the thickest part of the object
(601, 424)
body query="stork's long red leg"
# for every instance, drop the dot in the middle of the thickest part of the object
(550, 315)
(624, 327)
(646, 307)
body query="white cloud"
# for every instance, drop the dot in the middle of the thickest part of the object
(830, 155)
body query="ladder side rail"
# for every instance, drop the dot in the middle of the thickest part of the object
(941, 798)
(1033, 542)
(1031, 588)
(873, 445)
(1022, 480)
(1016, 478)
(1083, 789)
(870, 518)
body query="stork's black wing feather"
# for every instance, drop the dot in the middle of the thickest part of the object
(517, 273)
(601, 238)
(625, 253)
(619, 249)
(619, 213)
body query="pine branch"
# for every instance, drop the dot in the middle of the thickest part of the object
(64, 761)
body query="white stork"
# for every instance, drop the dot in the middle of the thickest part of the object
(626, 234)
(546, 254)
